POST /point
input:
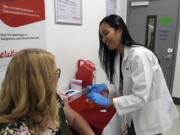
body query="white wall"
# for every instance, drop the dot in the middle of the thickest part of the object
(176, 86)
(122, 8)
(71, 42)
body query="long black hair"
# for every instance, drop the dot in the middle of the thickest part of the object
(107, 57)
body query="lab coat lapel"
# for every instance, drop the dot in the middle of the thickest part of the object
(117, 72)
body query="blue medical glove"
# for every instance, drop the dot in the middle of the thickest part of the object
(99, 87)
(89, 89)
(98, 99)
(96, 88)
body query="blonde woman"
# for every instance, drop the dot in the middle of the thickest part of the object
(28, 100)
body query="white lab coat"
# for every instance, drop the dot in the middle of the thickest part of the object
(146, 98)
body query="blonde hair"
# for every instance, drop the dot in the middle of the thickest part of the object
(29, 89)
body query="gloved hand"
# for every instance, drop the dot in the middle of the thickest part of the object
(89, 89)
(97, 88)
(98, 99)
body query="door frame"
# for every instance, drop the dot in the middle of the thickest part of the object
(176, 47)
(175, 99)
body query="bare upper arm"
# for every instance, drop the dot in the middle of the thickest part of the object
(69, 113)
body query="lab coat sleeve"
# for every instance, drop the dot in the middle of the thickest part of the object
(141, 76)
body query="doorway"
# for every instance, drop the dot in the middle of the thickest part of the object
(154, 23)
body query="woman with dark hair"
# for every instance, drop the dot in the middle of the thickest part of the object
(137, 87)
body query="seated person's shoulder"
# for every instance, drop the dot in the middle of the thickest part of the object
(19, 127)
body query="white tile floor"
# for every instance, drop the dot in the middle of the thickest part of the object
(175, 130)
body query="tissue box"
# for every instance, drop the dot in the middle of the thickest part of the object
(70, 95)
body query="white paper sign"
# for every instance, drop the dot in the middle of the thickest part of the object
(68, 11)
